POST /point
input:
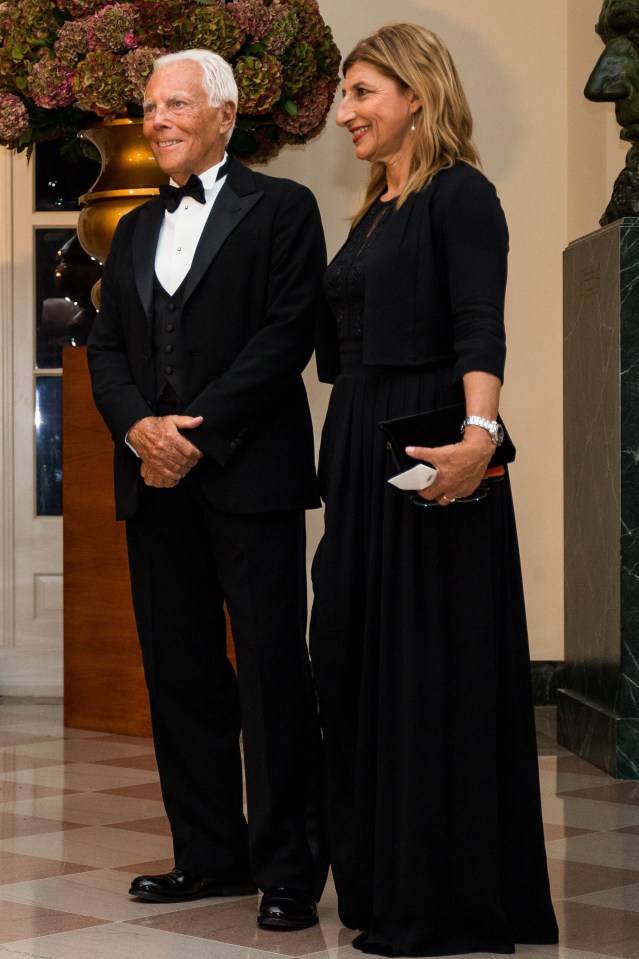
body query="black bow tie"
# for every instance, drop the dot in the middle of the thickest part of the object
(171, 195)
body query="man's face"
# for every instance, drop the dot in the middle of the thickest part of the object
(616, 73)
(185, 133)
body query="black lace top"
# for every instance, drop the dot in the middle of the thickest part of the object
(345, 279)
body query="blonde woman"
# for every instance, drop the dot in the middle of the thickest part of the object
(418, 634)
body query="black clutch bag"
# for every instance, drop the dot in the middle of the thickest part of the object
(436, 428)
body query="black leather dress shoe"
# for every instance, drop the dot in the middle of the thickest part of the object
(178, 886)
(284, 908)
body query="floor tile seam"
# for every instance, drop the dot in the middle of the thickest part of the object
(590, 800)
(167, 908)
(14, 777)
(598, 905)
(117, 762)
(335, 950)
(225, 942)
(570, 794)
(590, 831)
(59, 875)
(607, 890)
(41, 913)
(54, 816)
(48, 740)
(590, 834)
(86, 827)
(51, 935)
(598, 784)
(103, 762)
(78, 822)
(20, 901)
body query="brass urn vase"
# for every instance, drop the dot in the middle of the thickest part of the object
(129, 176)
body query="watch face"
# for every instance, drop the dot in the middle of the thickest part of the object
(499, 434)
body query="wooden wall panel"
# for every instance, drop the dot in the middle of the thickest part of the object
(104, 685)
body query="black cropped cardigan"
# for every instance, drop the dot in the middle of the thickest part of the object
(435, 285)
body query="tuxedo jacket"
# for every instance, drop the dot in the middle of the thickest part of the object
(435, 283)
(249, 310)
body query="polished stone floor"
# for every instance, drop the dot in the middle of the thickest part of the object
(80, 815)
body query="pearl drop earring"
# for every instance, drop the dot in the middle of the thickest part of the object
(412, 126)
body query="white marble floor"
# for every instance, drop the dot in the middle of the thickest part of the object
(81, 814)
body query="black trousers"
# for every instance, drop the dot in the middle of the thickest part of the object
(185, 560)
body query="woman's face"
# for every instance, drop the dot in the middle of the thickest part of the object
(377, 113)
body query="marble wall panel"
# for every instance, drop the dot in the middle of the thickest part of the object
(592, 464)
(629, 384)
(598, 711)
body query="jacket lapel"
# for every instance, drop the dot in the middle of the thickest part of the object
(228, 210)
(145, 239)
(236, 198)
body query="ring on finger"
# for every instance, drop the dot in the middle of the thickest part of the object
(449, 499)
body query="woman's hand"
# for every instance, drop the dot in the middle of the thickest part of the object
(460, 467)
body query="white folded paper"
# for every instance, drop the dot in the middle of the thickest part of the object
(419, 477)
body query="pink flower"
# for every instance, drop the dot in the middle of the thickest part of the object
(111, 28)
(51, 84)
(14, 119)
(252, 17)
(72, 42)
(63, 59)
(100, 85)
(138, 65)
(78, 8)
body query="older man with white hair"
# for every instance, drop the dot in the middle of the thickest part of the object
(209, 300)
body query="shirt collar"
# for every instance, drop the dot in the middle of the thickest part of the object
(209, 177)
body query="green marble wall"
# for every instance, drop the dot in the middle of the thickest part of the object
(598, 709)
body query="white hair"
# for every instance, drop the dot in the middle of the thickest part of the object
(218, 79)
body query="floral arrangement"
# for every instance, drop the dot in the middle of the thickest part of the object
(66, 63)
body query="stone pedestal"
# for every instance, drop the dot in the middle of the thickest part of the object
(598, 711)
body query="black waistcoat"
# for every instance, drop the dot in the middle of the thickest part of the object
(168, 350)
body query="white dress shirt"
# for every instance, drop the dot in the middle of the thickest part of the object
(181, 231)
(180, 234)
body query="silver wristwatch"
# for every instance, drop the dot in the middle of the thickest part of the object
(494, 429)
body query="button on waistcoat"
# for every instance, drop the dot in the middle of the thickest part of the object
(168, 352)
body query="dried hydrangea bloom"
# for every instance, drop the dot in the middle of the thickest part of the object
(35, 20)
(138, 66)
(97, 55)
(111, 28)
(7, 16)
(51, 84)
(14, 119)
(311, 25)
(252, 17)
(328, 56)
(268, 142)
(298, 68)
(312, 108)
(259, 83)
(100, 84)
(162, 23)
(283, 29)
(72, 42)
(212, 28)
(79, 8)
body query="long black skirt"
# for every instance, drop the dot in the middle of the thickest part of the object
(420, 656)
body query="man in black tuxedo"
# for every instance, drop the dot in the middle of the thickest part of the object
(207, 321)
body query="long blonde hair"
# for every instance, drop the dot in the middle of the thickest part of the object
(415, 58)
